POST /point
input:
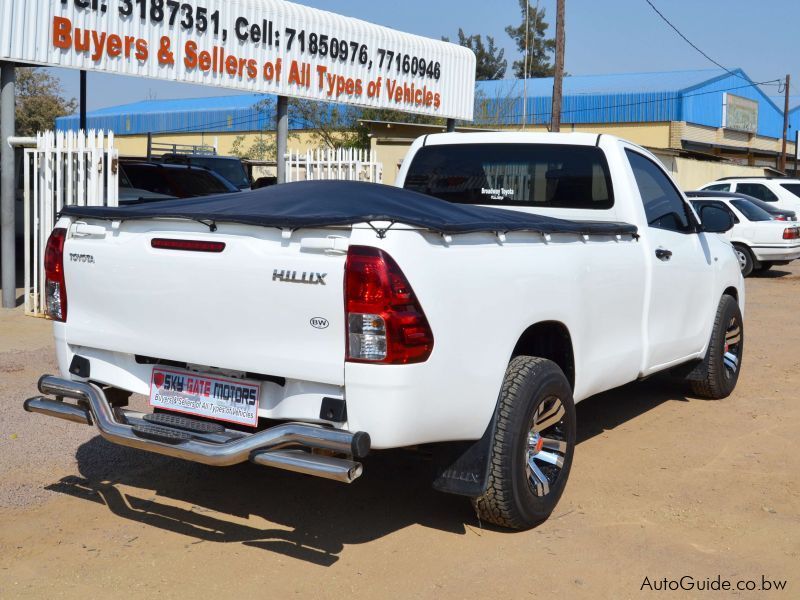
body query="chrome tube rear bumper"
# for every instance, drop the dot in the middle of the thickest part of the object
(267, 447)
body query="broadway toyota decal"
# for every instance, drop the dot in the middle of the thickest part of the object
(222, 399)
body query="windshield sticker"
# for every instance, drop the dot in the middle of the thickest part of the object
(497, 193)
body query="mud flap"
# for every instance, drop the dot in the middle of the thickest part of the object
(462, 468)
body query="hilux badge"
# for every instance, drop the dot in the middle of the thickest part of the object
(287, 276)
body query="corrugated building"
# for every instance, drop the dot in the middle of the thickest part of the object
(217, 121)
(711, 115)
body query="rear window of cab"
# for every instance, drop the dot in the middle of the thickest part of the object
(534, 175)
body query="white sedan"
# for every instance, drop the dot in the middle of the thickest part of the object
(760, 242)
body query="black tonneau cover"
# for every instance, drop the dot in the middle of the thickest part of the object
(323, 203)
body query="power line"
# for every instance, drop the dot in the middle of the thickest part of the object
(692, 44)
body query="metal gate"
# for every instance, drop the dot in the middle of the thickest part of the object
(65, 168)
(341, 163)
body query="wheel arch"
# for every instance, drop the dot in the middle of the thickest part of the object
(463, 467)
(551, 340)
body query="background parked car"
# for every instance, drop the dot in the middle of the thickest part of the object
(778, 214)
(176, 181)
(760, 242)
(228, 167)
(779, 191)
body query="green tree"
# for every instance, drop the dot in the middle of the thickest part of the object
(264, 147)
(491, 62)
(539, 47)
(389, 116)
(330, 126)
(40, 101)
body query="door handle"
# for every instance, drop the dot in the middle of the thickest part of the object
(662, 254)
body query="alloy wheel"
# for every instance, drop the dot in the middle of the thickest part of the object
(733, 347)
(546, 449)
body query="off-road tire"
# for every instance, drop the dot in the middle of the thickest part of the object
(509, 500)
(713, 380)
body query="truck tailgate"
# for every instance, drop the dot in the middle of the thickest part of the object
(264, 304)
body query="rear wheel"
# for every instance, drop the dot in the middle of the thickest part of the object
(533, 446)
(723, 362)
(745, 257)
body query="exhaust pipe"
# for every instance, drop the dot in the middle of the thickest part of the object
(338, 469)
(60, 410)
(267, 447)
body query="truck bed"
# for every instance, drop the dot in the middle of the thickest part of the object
(314, 204)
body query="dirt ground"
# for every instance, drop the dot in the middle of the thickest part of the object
(663, 486)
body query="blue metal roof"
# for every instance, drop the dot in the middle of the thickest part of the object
(615, 83)
(239, 113)
(692, 96)
(794, 122)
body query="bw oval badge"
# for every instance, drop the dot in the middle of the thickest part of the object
(319, 323)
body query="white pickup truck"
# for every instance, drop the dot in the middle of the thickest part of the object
(304, 325)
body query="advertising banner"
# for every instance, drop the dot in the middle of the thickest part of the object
(740, 114)
(267, 46)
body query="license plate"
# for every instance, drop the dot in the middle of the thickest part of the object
(219, 398)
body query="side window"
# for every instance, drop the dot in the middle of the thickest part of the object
(663, 204)
(698, 206)
(757, 190)
(719, 187)
(148, 178)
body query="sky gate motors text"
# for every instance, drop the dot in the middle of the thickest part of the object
(229, 392)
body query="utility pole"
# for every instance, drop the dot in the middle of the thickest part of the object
(787, 85)
(282, 118)
(82, 101)
(558, 76)
(7, 184)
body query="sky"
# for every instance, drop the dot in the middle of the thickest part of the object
(602, 36)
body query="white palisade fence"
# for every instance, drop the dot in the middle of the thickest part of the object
(348, 164)
(65, 168)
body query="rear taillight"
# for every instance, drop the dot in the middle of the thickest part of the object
(780, 218)
(385, 322)
(791, 233)
(55, 288)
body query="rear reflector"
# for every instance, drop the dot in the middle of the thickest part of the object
(188, 245)
(385, 322)
(791, 233)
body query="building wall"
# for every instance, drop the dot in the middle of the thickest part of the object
(391, 155)
(690, 173)
(738, 146)
(136, 145)
(391, 144)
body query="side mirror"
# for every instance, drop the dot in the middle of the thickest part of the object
(715, 219)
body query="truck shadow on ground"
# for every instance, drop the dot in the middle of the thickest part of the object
(308, 519)
(771, 274)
